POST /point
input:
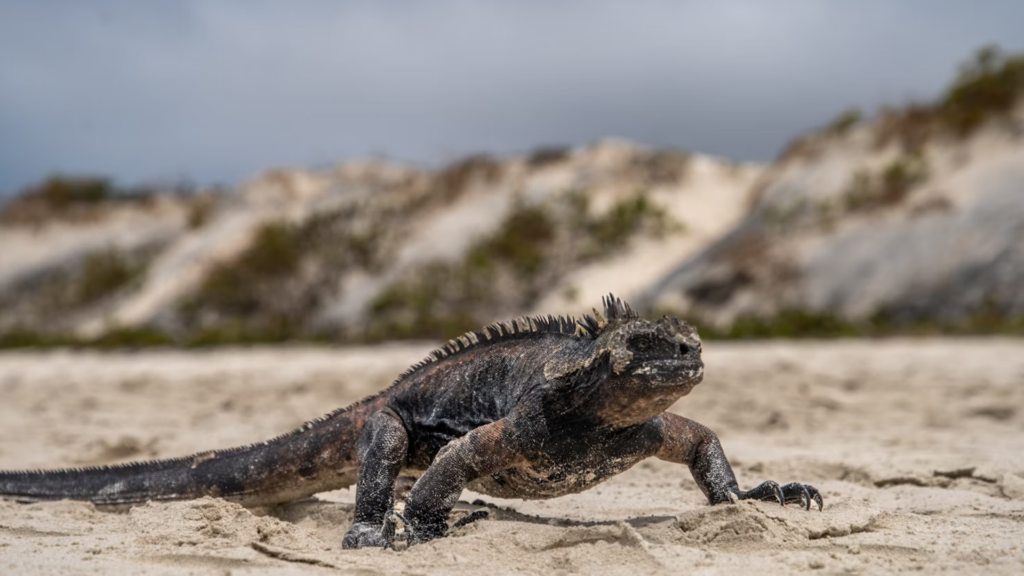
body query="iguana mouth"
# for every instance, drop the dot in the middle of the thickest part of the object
(671, 370)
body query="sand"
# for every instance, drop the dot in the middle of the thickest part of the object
(917, 447)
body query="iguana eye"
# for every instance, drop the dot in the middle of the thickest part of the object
(651, 347)
(641, 343)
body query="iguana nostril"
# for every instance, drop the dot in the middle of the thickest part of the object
(684, 349)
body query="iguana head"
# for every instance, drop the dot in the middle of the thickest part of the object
(638, 367)
(659, 354)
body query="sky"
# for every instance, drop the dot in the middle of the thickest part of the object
(216, 91)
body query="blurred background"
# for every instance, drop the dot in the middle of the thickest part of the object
(196, 173)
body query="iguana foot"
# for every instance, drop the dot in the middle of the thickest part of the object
(363, 535)
(425, 533)
(789, 494)
(471, 517)
(421, 533)
(804, 494)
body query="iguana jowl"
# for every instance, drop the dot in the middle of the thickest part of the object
(532, 408)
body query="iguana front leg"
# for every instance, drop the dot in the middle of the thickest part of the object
(687, 442)
(484, 450)
(383, 446)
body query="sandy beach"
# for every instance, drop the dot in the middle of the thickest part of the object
(916, 445)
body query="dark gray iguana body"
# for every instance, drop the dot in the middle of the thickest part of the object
(533, 408)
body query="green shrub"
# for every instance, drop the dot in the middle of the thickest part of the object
(801, 323)
(509, 269)
(96, 277)
(664, 167)
(131, 337)
(26, 338)
(626, 219)
(988, 89)
(452, 180)
(547, 156)
(56, 197)
(842, 123)
(249, 293)
(520, 242)
(200, 210)
(102, 274)
(602, 235)
(890, 187)
(238, 288)
(446, 299)
(990, 86)
(68, 198)
(60, 192)
(438, 303)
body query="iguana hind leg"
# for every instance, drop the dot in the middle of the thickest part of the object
(687, 442)
(383, 446)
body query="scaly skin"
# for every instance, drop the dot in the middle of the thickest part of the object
(533, 408)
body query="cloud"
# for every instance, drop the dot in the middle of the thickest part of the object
(218, 91)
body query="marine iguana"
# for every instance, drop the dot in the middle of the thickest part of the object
(531, 408)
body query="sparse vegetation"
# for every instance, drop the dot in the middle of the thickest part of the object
(842, 123)
(98, 276)
(429, 306)
(139, 337)
(444, 299)
(804, 146)
(61, 192)
(890, 187)
(790, 323)
(200, 210)
(54, 299)
(601, 235)
(24, 338)
(802, 323)
(252, 291)
(987, 89)
(452, 180)
(234, 288)
(57, 196)
(509, 269)
(664, 167)
(86, 198)
(102, 274)
(867, 191)
(270, 291)
(134, 337)
(547, 156)
(520, 242)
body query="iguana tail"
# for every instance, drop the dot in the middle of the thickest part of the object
(318, 457)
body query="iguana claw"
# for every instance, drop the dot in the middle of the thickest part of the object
(789, 494)
(472, 517)
(428, 533)
(364, 535)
